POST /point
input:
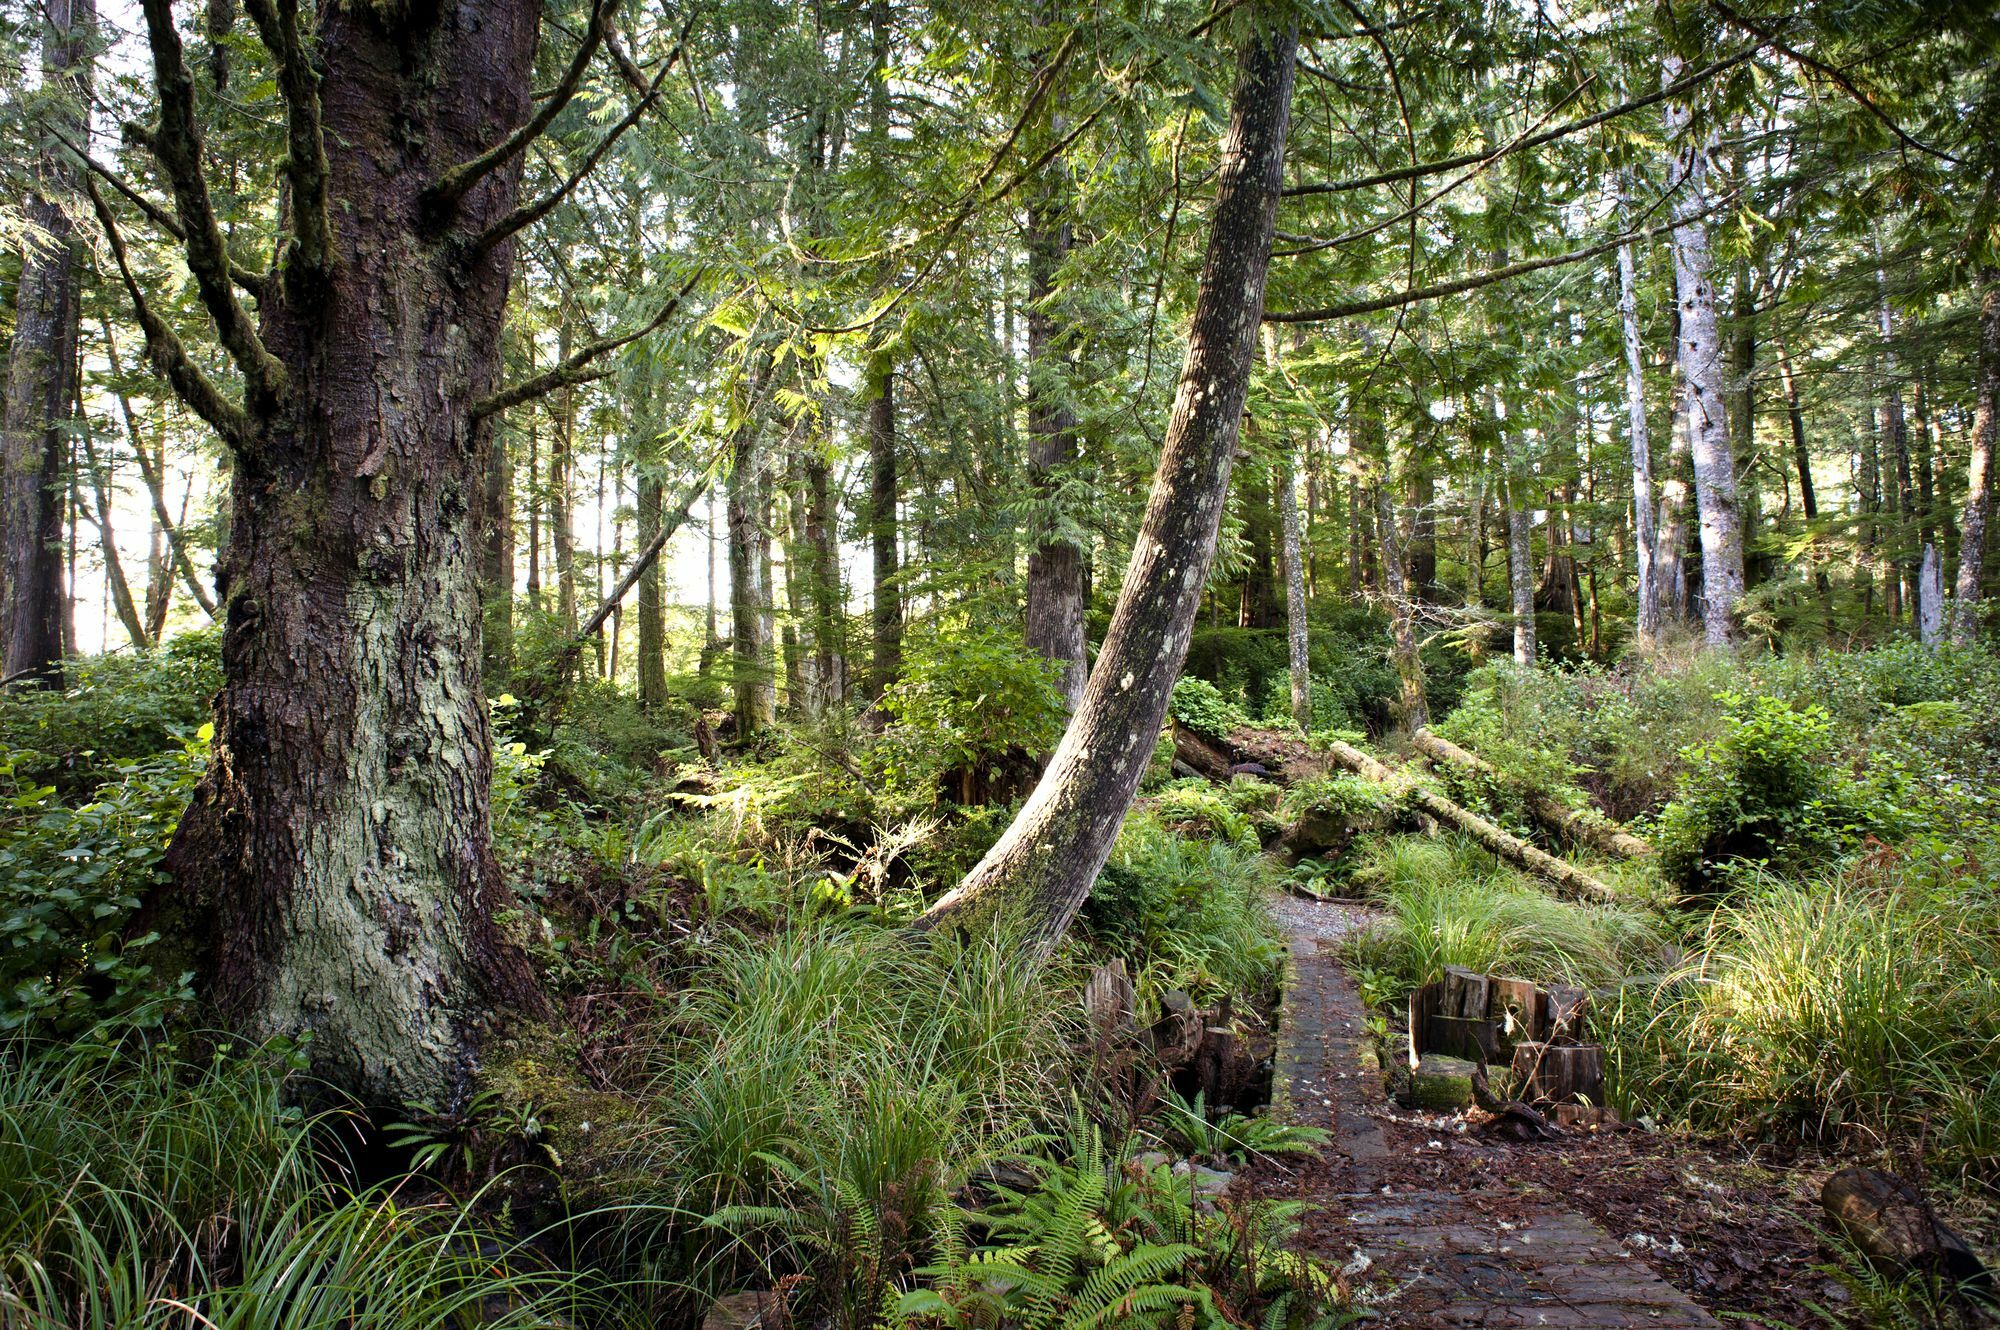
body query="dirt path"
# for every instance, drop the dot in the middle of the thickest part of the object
(1439, 1227)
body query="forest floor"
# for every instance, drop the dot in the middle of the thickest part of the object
(1436, 1223)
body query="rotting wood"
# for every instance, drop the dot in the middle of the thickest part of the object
(1578, 828)
(1568, 877)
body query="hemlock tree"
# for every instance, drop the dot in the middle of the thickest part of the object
(1038, 873)
(334, 875)
(41, 381)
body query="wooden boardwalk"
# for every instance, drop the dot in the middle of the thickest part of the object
(1421, 1256)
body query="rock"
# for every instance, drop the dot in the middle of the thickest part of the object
(1208, 1184)
(753, 1309)
(1887, 1218)
(1440, 1084)
(1148, 1160)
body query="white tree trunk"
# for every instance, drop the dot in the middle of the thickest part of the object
(1979, 468)
(1645, 528)
(1700, 353)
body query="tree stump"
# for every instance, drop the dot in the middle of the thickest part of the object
(1559, 1073)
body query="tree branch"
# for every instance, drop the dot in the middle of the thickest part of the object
(441, 200)
(310, 254)
(177, 146)
(164, 349)
(253, 283)
(530, 213)
(155, 485)
(1457, 286)
(1840, 80)
(574, 368)
(1443, 164)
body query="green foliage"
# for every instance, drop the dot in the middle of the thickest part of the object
(1100, 1240)
(1861, 1006)
(71, 878)
(1226, 812)
(966, 698)
(116, 709)
(144, 1190)
(1449, 903)
(1200, 706)
(1233, 1138)
(1766, 792)
(1190, 914)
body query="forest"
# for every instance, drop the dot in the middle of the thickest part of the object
(868, 664)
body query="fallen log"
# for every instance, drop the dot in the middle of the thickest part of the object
(1202, 756)
(1566, 876)
(1579, 828)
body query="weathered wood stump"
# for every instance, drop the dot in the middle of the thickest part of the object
(1559, 1073)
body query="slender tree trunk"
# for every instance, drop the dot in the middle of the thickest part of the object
(1038, 873)
(1057, 568)
(536, 496)
(887, 661)
(652, 628)
(1423, 529)
(1676, 596)
(562, 491)
(1298, 641)
(1740, 402)
(1701, 362)
(1645, 537)
(496, 564)
(41, 376)
(824, 592)
(750, 608)
(103, 485)
(1795, 415)
(1979, 467)
(334, 872)
(1396, 590)
(1895, 437)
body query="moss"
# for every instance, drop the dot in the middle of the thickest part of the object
(534, 1075)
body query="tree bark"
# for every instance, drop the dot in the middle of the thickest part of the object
(1645, 536)
(1796, 417)
(335, 867)
(824, 596)
(1414, 707)
(1979, 467)
(752, 629)
(887, 618)
(1298, 641)
(562, 492)
(1701, 362)
(1057, 569)
(1037, 875)
(41, 375)
(1520, 538)
(496, 564)
(652, 631)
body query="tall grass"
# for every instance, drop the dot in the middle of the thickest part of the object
(1864, 1007)
(138, 1190)
(1449, 903)
(820, 1097)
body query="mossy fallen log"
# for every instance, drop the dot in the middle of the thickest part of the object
(1565, 876)
(1578, 828)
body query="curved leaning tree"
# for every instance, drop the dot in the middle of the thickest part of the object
(1039, 872)
(334, 875)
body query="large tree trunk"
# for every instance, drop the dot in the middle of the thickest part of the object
(880, 394)
(41, 377)
(1520, 536)
(1057, 568)
(1701, 362)
(823, 587)
(1670, 560)
(337, 856)
(1037, 875)
(1979, 467)
(1645, 533)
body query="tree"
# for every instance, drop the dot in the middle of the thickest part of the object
(41, 372)
(1979, 467)
(334, 874)
(1042, 867)
(1644, 537)
(1700, 349)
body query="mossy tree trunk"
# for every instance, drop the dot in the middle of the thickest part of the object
(1039, 872)
(334, 873)
(1979, 467)
(41, 382)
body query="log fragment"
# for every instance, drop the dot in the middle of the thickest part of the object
(1559, 1073)
(1200, 755)
(1567, 877)
(1578, 828)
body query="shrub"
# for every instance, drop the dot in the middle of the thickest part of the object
(117, 708)
(966, 699)
(1766, 792)
(73, 877)
(1200, 706)
(1190, 914)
